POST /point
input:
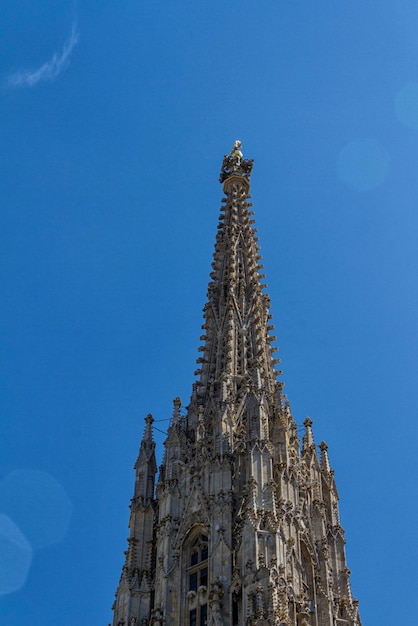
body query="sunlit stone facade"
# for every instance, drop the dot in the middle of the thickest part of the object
(242, 527)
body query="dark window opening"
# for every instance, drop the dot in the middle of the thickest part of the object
(193, 582)
(204, 576)
(234, 613)
(193, 618)
(197, 574)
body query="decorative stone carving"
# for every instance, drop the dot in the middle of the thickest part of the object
(235, 164)
(157, 617)
(215, 596)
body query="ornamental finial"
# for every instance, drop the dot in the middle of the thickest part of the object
(236, 152)
(147, 438)
(234, 164)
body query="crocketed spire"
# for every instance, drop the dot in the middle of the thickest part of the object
(237, 348)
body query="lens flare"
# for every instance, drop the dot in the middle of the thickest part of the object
(363, 164)
(16, 556)
(37, 502)
(406, 105)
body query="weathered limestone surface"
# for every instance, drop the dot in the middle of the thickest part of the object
(243, 525)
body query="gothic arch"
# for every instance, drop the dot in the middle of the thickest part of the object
(307, 595)
(195, 576)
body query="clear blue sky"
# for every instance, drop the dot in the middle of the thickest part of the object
(114, 118)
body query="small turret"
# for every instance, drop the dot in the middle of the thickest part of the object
(146, 465)
(133, 596)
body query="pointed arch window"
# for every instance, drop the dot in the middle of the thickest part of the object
(307, 575)
(197, 580)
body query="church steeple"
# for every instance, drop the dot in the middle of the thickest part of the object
(237, 348)
(244, 527)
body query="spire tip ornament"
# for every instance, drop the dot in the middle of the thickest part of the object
(234, 165)
(236, 152)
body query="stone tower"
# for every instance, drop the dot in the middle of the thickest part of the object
(242, 527)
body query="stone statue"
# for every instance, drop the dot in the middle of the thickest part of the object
(216, 616)
(216, 593)
(157, 616)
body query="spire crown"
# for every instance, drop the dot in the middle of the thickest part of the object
(234, 164)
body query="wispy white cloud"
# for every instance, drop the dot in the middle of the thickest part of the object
(49, 70)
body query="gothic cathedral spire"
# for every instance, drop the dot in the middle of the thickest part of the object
(243, 528)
